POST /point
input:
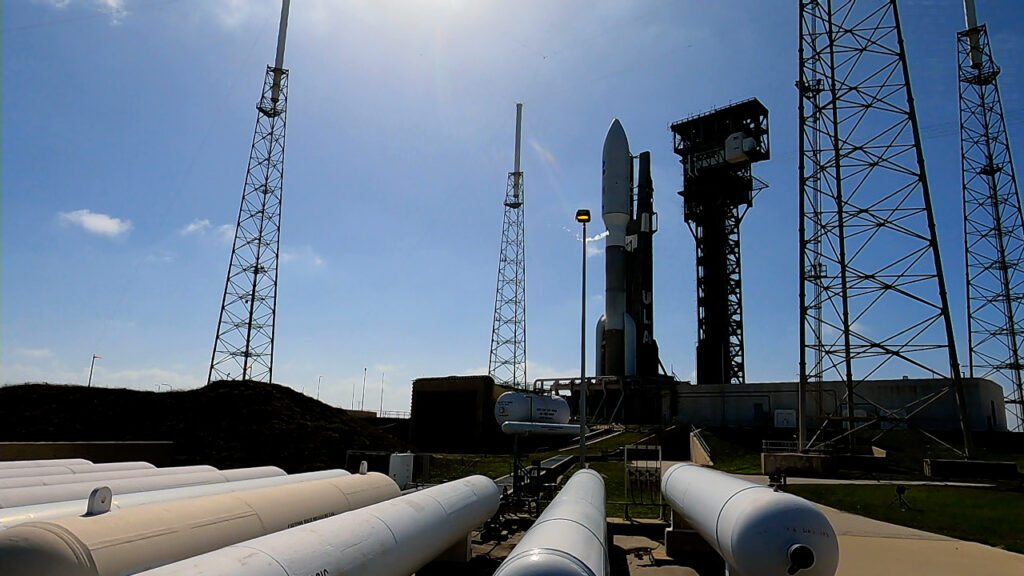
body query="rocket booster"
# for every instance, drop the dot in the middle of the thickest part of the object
(616, 331)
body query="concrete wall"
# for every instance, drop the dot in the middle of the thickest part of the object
(755, 405)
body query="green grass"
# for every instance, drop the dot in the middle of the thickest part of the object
(447, 467)
(734, 453)
(615, 490)
(992, 516)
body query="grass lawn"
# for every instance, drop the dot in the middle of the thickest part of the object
(731, 454)
(991, 516)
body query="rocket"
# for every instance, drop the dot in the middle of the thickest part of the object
(616, 330)
(625, 334)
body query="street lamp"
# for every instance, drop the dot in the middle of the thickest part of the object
(318, 380)
(91, 366)
(583, 216)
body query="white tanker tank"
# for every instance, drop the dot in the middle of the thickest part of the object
(393, 538)
(536, 408)
(38, 512)
(137, 539)
(23, 481)
(28, 495)
(756, 530)
(72, 469)
(8, 464)
(569, 538)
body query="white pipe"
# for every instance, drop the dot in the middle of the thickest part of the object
(99, 476)
(569, 538)
(11, 497)
(541, 428)
(757, 531)
(73, 469)
(393, 538)
(38, 512)
(137, 539)
(41, 463)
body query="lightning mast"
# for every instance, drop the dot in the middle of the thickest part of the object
(244, 347)
(993, 224)
(873, 299)
(508, 333)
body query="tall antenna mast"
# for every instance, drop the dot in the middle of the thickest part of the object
(993, 223)
(508, 333)
(244, 346)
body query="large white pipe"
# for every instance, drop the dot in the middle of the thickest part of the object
(540, 429)
(11, 497)
(569, 538)
(137, 539)
(393, 538)
(38, 512)
(41, 463)
(73, 469)
(98, 476)
(757, 531)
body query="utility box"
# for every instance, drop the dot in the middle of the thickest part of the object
(400, 469)
(785, 418)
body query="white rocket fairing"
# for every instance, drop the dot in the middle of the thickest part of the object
(616, 331)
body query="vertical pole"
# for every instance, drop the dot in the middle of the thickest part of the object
(583, 357)
(318, 380)
(93, 365)
(362, 395)
(381, 394)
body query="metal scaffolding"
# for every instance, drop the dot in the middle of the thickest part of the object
(993, 225)
(873, 301)
(508, 333)
(244, 347)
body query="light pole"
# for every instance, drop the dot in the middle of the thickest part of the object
(318, 380)
(583, 216)
(91, 366)
(362, 395)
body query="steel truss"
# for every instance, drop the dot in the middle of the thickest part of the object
(508, 334)
(244, 347)
(873, 302)
(993, 230)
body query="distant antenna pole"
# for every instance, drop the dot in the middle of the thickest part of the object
(381, 394)
(993, 223)
(245, 332)
(508, 333)
(873, 295)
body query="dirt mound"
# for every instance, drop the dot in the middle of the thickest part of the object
(224, 424)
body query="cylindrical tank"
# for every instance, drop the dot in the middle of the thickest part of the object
(130, 541)
(98, 476)
(393, 538)
(11, 497)
(520, 407)
(73, 469)
(758, 531)
(569, 538)
(39, 512)
(535, 429)
(7, 464)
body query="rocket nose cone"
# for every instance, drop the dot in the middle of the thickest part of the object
(615, 141)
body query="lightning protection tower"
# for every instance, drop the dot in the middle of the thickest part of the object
(992, 222)
(244, 347)
(873, 300)
(508, 333)
(717, 150)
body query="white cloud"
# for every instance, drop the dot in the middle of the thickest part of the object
(226, 233)
(594, 247)
(305, 255)
(33, 352)
(115, 8)
(197, 226)
(96, 223)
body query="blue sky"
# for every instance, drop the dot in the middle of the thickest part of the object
(126, 131)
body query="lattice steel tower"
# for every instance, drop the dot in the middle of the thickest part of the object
(244, 348)
(873, 300)
(508, 333)
(993, 228)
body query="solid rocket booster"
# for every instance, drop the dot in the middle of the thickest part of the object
(616, 331)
